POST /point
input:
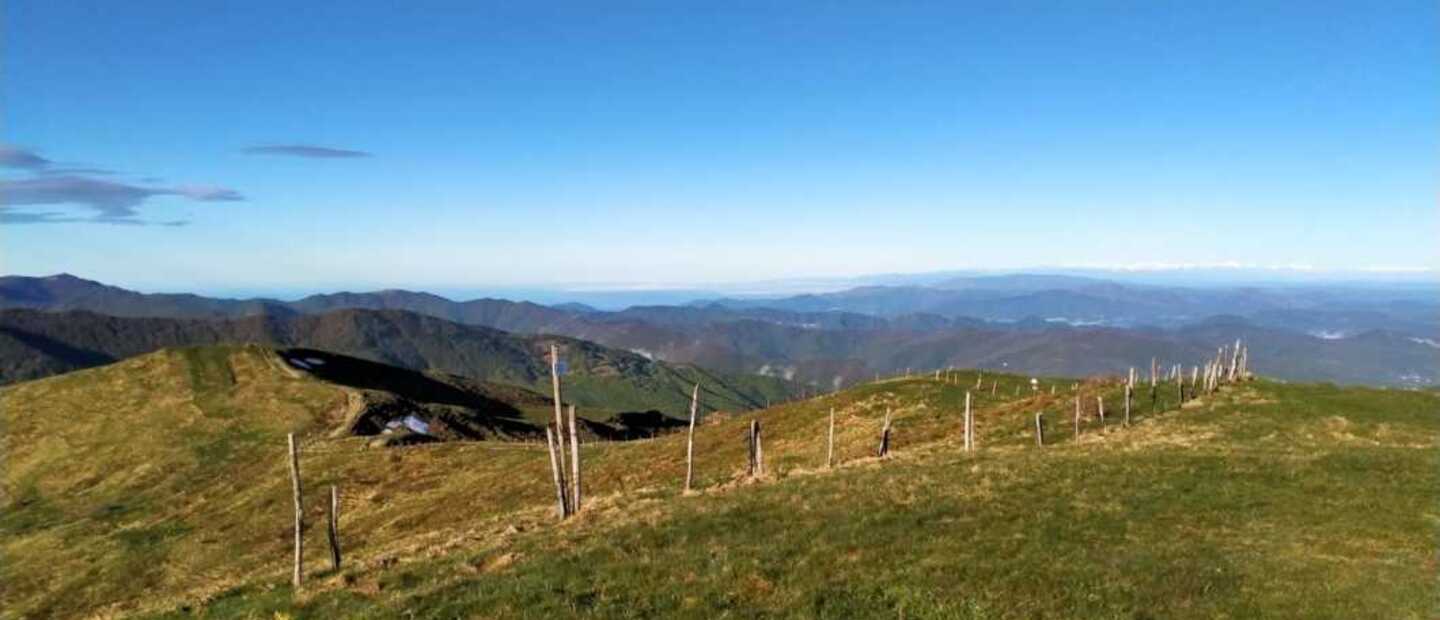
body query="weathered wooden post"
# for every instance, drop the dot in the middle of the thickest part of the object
(885, 436)
(754, 436)
(1077, 416)
(559, 416)
(562, 506)
(979, 376)
(1100, 407)
(1129, 391)
(759, 448)
(969, 425)
(574, 462)
(296, 576)
(993, 385)
(830, 443)
(1179, 385)
(333, 531)
(1234, 361)
(690, 441)
(1039, 430)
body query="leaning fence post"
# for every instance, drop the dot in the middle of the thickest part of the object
(1039, 430)
(296, 575)
(333, 531)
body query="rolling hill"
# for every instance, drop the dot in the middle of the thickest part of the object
(157, 487)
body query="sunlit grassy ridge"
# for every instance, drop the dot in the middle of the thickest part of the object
(1265, 500)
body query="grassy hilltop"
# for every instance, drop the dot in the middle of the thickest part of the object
(158, 487)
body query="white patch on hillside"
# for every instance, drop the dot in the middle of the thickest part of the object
(1076, 322)
(787, 372)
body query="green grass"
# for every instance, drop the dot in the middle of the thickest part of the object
(1267, 500)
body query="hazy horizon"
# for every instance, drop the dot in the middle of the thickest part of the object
(614, 296)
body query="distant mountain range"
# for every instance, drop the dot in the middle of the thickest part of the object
(1043, 324)
(35, 344)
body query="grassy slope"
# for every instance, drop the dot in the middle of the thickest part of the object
(1268, 500)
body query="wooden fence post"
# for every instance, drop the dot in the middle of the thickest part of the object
(297, 575)
(993, 384)
(690, 440)
(1077, 416)
(1129, 391)
(562, 507)
(969, 425)
(1039, 430)
(559, 421)
(1100, 407)
(1234, 361)
(830, 443)
(750, 446)
(885, 436)
(574, 463)
(333, 530)
(759, 449)
(1179, 387)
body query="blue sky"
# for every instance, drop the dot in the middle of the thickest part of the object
(673, 143)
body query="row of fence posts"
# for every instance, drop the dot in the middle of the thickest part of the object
(1214, 374)
(1207, 379)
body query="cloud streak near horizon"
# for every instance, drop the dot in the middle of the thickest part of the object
(15, 157)
(111, 202)
(305, 150)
